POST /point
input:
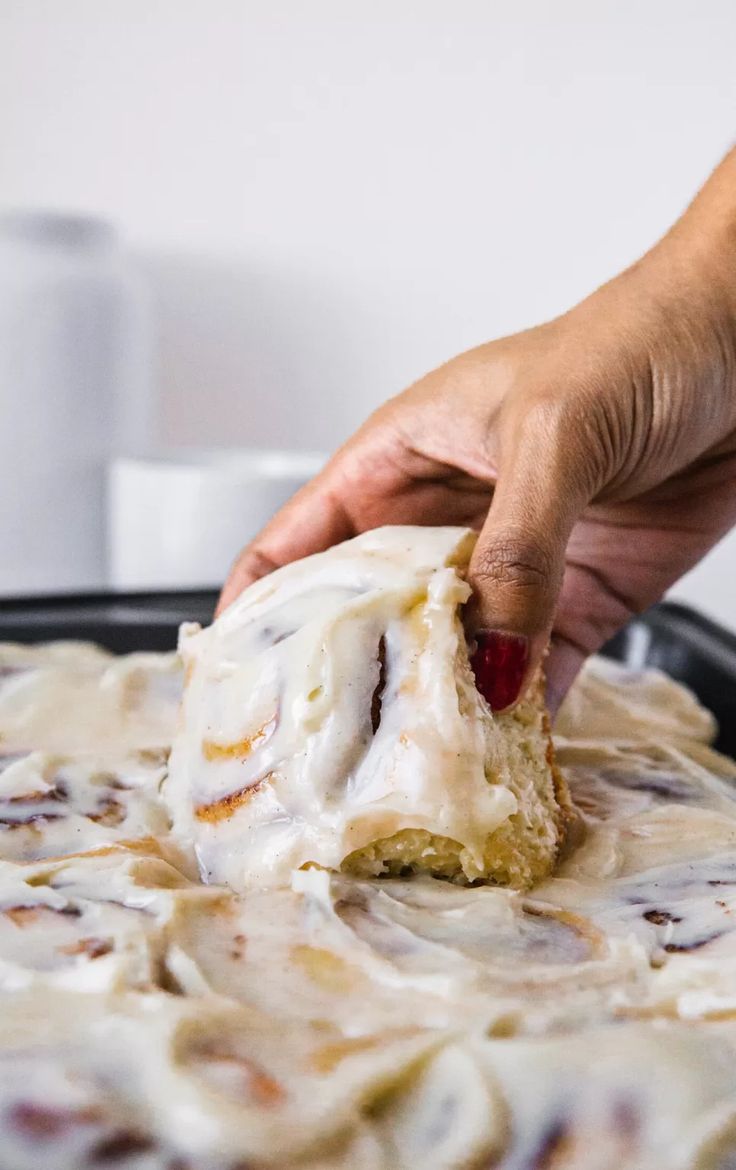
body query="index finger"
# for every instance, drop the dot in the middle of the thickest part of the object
(311, 521)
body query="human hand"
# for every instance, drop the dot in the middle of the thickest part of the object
(596, 454)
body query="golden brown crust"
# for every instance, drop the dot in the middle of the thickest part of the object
(569, 823)
(524, 848)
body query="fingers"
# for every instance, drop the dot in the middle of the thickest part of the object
(310, 522)
(369, 481)
(518, 563)
(561, 668)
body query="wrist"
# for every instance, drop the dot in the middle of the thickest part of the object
(700, 251)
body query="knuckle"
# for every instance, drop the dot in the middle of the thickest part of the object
(514, 563)
(254, 563)
(561, 428)
(553, 415)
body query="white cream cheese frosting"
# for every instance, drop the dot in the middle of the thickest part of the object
(332, 707)
(152, 1022)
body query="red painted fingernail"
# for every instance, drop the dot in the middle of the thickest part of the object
(499, 662)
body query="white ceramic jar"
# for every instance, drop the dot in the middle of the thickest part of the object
(75, 376)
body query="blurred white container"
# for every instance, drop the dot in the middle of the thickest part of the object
(74, 387)
(177, 520)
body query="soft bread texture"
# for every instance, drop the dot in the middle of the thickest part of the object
(524, 847)
(331, 719)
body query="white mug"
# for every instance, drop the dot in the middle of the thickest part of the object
(177, 520)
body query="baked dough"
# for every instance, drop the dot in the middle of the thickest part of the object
(331, 719)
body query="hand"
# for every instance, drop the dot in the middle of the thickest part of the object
(596, 454)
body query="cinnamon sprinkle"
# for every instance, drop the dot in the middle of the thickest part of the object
(222, 809)
(242, 748)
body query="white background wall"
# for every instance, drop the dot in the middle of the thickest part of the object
(330, 197)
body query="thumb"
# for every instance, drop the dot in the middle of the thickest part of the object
(518, 564)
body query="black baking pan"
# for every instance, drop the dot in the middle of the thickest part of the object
(693, 650)
(672, 637)
(122, 622)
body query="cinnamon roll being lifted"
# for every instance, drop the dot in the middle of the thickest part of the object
(330, 718)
